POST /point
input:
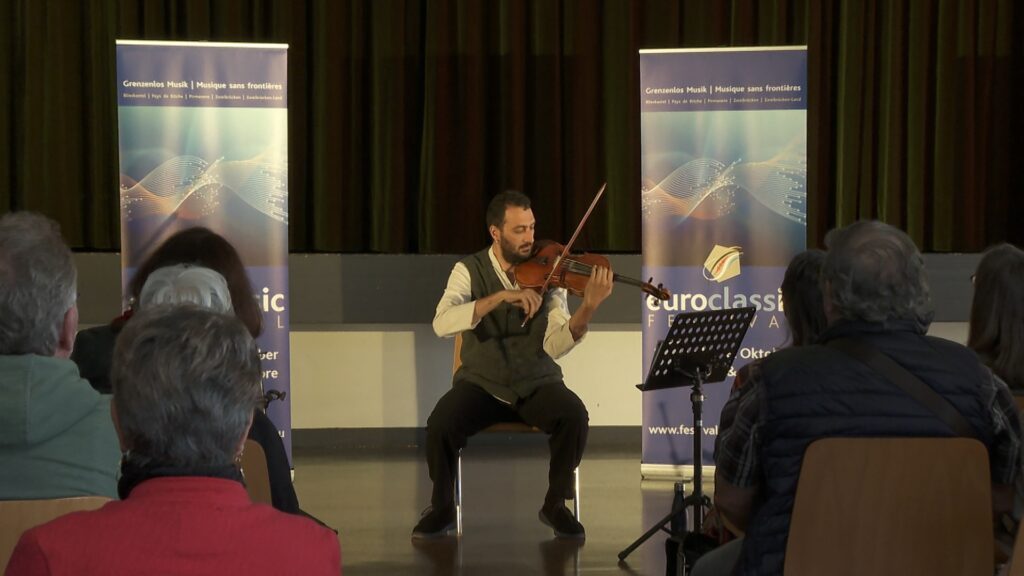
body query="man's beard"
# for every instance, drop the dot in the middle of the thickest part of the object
(511, 254)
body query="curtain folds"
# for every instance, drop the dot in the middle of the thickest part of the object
(406, 116)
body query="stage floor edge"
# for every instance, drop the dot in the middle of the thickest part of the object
(673, 471)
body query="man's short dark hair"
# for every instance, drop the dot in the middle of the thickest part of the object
(501, 202)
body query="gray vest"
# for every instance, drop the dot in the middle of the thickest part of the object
(500, 355)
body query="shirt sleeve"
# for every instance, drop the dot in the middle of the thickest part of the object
(558, 340)
(736, 448)
(454, 312)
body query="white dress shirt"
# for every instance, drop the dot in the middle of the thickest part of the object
(455, 310)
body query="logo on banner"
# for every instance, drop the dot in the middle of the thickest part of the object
(723, 263)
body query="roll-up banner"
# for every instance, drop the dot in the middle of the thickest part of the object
(724, 168)
(203, 136)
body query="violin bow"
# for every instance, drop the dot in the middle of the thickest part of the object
(568, 245)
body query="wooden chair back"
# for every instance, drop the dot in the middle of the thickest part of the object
(254, 470)
(17, 516)
(892, 506)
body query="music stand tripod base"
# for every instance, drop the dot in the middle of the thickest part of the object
(699, 349)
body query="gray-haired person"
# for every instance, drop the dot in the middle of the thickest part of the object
(56, 438)
(875, 295)
(186, 381)
(191, 284)
(185, 283)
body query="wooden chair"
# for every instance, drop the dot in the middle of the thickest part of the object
(892, 506)
(254, 470)
(17, 516)
(500, 427)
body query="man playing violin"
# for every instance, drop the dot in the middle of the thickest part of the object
(511, 338)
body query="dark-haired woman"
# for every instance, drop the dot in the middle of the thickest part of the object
(997, 314)
(803, 304)
(804, 308)
(203, 247)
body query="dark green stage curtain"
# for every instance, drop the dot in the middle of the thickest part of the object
(406, 116)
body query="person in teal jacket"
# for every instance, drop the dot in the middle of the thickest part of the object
(56, 435)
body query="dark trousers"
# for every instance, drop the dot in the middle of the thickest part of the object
(467, 409)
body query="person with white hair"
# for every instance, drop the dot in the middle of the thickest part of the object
(185, 283)
(56, 437)
(181, 284)
(198, 266)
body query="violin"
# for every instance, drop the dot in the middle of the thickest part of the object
(572, 273)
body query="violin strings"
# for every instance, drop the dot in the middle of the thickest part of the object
(576, 266)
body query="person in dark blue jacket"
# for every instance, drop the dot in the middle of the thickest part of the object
(875, 292)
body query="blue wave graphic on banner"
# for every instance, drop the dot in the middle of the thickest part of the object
(707, 188)
(192, 188)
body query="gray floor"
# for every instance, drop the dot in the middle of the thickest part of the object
(375, 499)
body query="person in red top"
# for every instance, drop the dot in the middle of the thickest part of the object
(186, 381)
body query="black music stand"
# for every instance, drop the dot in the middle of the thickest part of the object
(699, 349)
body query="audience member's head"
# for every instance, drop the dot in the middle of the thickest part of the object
(186, 381)
(801, 293)
(38, 287)
(184, 283)
(997, 313)
(873, 272)
(203, 247)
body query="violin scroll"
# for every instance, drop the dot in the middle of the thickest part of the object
(659, 291)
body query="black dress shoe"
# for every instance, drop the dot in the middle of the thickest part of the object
(435, 523)
(561, 520)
